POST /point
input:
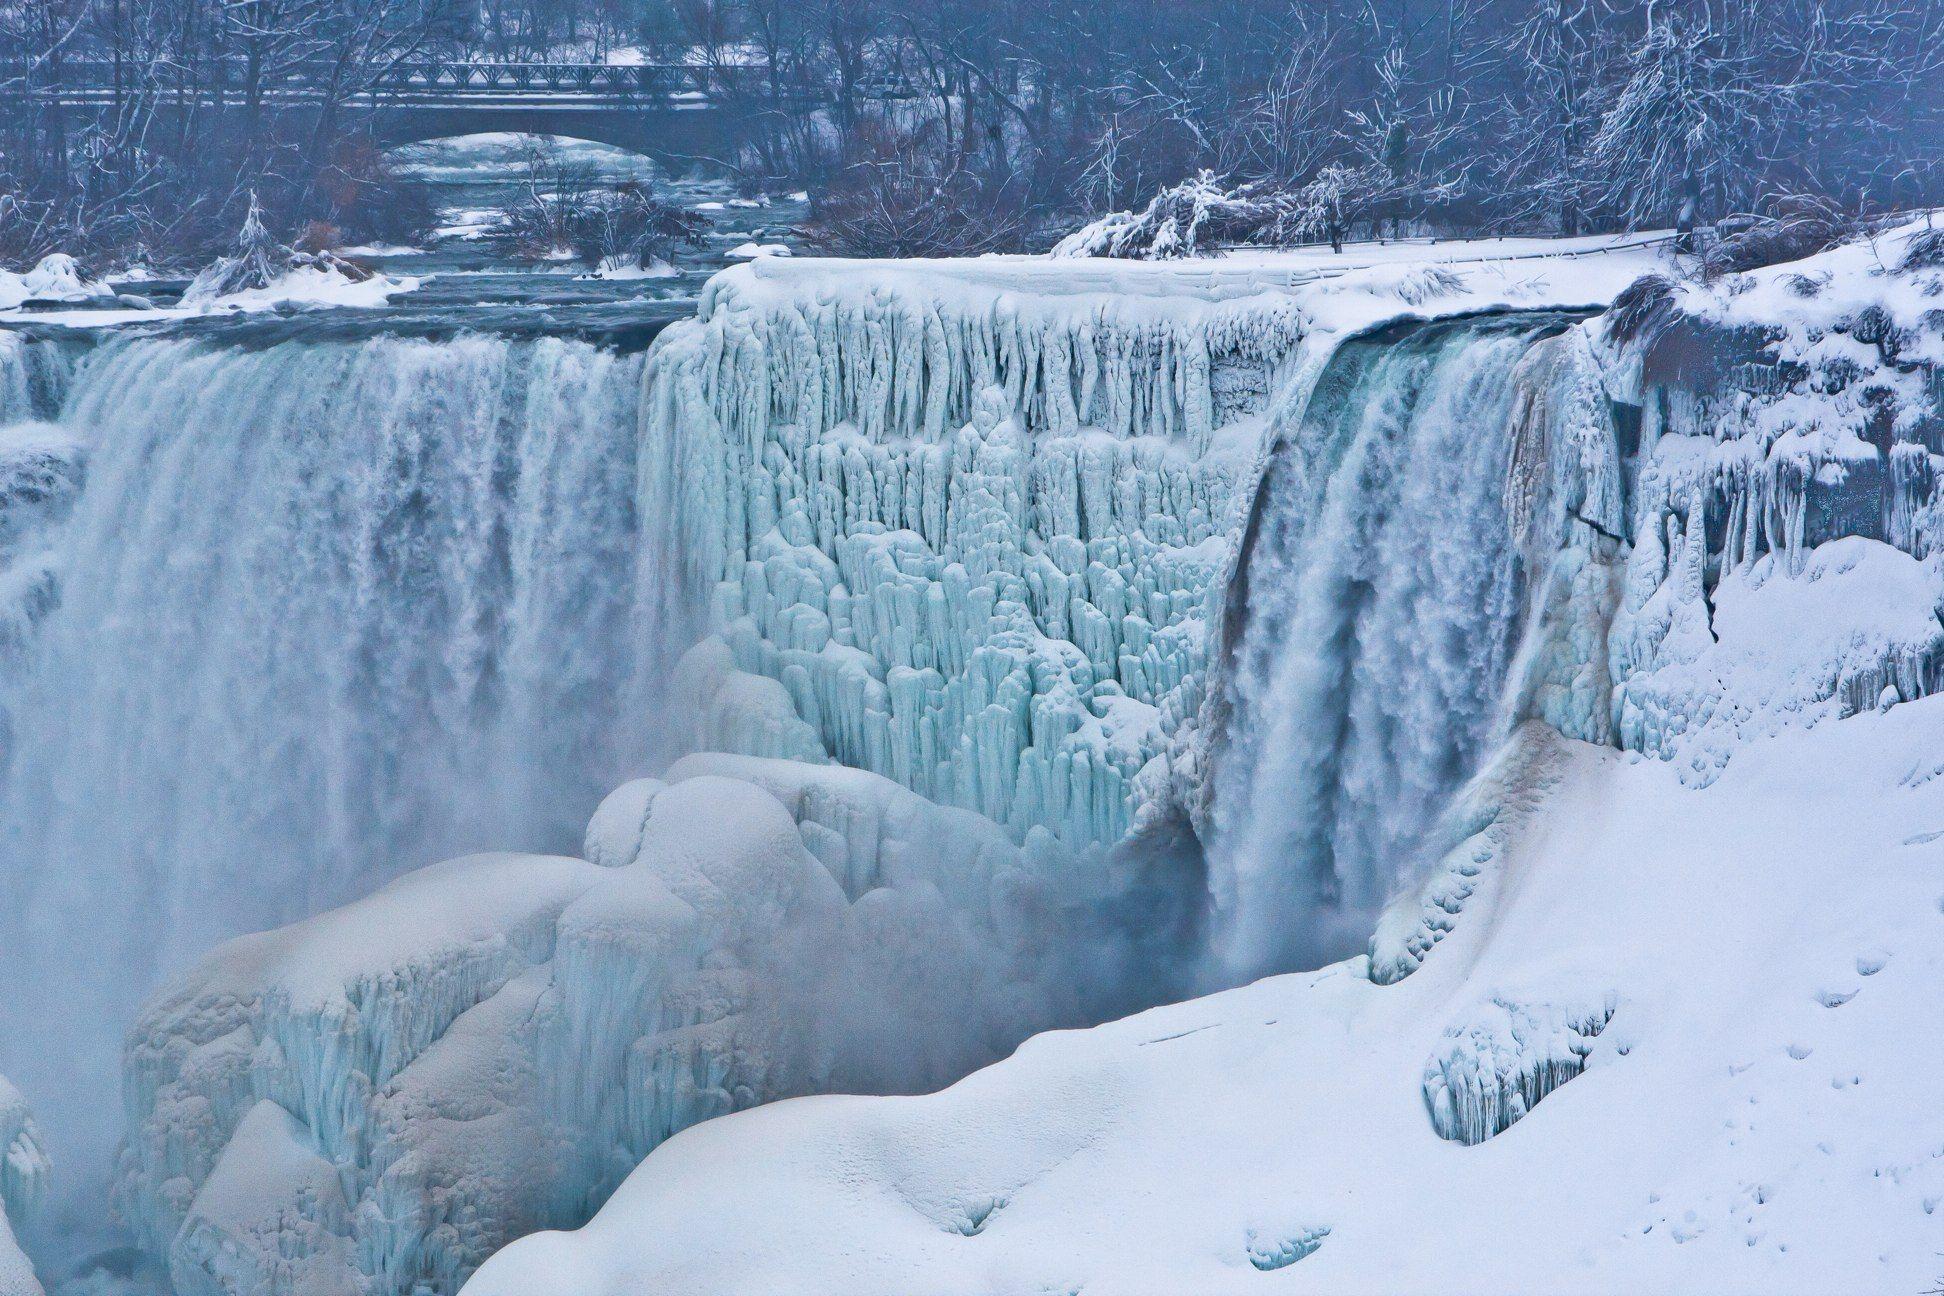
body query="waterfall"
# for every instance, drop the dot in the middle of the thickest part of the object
(1373, 618)
(323, 613)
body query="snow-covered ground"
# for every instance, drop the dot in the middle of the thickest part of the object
(1757, 1115)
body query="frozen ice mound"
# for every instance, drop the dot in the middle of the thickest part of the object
(24, 1172)
(375, 1099)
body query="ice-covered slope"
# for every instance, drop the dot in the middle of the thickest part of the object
(1659, 1013)
(1760, 960)
(375, 1099)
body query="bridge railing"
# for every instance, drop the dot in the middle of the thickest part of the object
(417, 79)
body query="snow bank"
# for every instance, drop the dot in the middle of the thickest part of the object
(1755, 1117)
(374, 1100)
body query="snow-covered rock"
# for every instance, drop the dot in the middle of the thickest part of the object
(374, 1100)
(262, 272)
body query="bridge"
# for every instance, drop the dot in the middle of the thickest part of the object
(667, 110)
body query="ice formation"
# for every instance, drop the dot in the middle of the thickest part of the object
(23, 1181)
(373, 1100)
(1492, 1070)
(970, 532)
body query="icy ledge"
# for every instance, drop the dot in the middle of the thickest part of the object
(375, 1099)
(1756, 1117)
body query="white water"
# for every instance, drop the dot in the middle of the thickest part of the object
(327, 612)
(1377, 614)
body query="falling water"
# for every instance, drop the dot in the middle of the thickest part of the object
(1377, 608)
(323, 612)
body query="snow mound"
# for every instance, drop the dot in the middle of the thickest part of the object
(1756, 1117)
(56, 277)
(376, 1099)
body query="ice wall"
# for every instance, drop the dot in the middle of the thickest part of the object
(374, 1100)
(970, 528)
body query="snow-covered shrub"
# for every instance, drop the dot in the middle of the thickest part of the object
(622, 225)
(260, 260)
(1199, 215)
(1192, 218)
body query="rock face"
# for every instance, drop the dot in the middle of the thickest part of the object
(376, 1099)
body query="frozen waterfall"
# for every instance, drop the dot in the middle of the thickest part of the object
(1373, 616)
(325, 611)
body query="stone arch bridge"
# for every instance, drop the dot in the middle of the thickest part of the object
(667, 111)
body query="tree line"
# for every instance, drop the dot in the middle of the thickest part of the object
(968, 125)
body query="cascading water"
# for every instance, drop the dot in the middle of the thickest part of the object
(1374, 614)
(324, 612)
